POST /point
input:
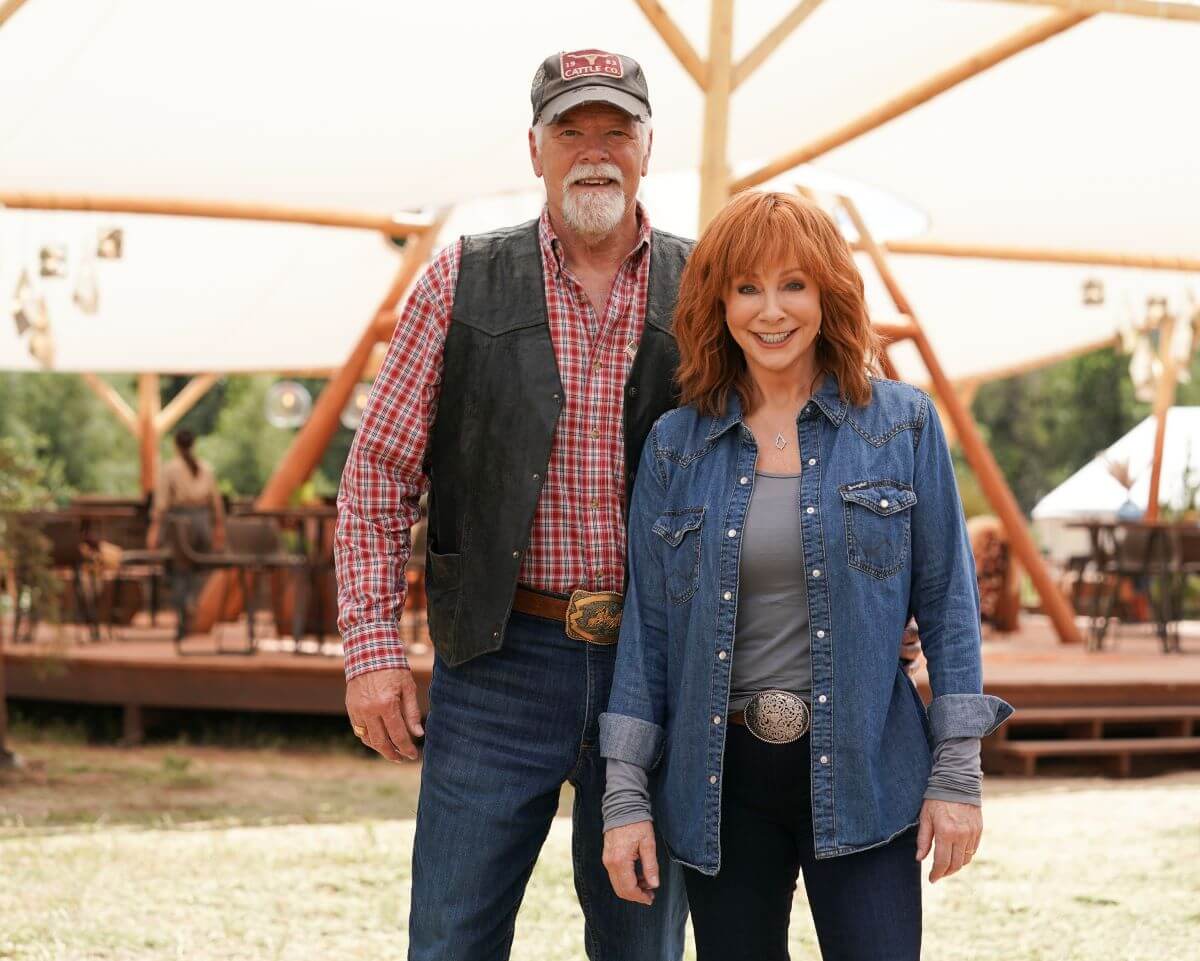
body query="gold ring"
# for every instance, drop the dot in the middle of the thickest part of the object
(359, 730)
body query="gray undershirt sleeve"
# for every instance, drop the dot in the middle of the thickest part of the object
(957, 774)
(626, 795)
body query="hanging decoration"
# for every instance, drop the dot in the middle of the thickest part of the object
(287, 404)
(353, 411)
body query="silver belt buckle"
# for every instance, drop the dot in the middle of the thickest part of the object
(777, 717)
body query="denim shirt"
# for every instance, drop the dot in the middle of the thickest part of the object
(884, 537)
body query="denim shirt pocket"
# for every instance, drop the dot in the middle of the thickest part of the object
(681, 529)
(878, 516)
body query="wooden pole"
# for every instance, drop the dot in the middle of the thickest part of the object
(1042, 255)
(915, 96)
(7, 9)
(714, 161)
(1164, 397)
(223, 210)
(184, 401)
(148, 409)
(978, 455)
(306, 449)
(1132, 8)
(771, 41)
(113, 401)
(676, 41)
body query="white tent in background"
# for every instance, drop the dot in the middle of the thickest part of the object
(1092, 491)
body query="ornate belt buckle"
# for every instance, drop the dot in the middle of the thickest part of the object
(594, 617)
(777, 717)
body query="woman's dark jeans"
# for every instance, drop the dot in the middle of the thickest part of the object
(866, 906)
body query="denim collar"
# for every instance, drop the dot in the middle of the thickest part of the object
(827, 398)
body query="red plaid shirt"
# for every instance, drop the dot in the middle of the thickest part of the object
(578, 535)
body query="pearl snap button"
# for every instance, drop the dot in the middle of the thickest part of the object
(732, 532)
(883, 503)
(824, 759)
(816, 572)
(820, 633)
(716, 719)
(822, 699)
(728, 595)
(712, 779)
(810, 510)
(744, 480)
(721, 655)
(811, 461)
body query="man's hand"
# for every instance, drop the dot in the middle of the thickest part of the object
(385, 704)
(955, 829)
(623, 848)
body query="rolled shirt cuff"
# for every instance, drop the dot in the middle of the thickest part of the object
(630, 739)
(966, 715)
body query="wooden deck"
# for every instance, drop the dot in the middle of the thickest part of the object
(139, 669)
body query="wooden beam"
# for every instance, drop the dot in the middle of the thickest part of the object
(714, 155)
(149, 405)
(309, 444)
(113, 401)
(7, 9)
(987, 471)
(1042, 255)
(915, 96)
(393, 226)
(771, 41)
(676, 41)
(184, 401)
(892, 331)
(1164, 397)
(1131, 8)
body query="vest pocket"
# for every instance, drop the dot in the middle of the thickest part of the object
(681, 529)
(443, 581)
(878, 516)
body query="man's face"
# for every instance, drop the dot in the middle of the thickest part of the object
(593, 160)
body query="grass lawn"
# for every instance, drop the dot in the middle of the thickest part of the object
(214, 853)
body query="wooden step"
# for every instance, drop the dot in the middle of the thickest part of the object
(1176, 720)
(1120, 750)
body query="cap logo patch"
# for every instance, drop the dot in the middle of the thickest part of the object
(590, 63)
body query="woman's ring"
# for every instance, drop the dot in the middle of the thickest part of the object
(359, 730)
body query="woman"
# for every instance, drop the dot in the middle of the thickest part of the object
(187, 494)
(785, 522)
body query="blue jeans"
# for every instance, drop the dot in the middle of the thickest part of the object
(865, 906)
(504, 731)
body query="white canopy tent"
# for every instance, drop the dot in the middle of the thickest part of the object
(1081, 142)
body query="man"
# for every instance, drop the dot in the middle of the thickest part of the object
(524, 374)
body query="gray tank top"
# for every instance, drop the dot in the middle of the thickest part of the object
(771, 643)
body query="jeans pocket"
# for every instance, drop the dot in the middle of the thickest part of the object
(878, 516)
(681, 529)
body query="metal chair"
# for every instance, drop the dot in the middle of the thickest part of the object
(1136, 553)
(62, 538)
(253, 548)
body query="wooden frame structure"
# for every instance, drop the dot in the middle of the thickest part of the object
(717, 76)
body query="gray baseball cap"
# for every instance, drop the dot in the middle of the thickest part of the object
(567, 79)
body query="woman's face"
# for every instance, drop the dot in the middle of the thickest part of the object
(774, 315)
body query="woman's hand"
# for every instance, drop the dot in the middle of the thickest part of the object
(623, 847)
(952, 831)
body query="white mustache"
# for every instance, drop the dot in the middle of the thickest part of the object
(592, 171)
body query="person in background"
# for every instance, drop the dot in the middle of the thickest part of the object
(187, 493)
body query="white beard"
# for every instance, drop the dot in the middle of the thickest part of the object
(593, 213)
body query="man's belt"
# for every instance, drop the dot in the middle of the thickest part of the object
(592, 616)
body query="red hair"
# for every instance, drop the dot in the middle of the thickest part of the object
(753, 231)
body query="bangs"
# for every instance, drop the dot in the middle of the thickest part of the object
(767, 234)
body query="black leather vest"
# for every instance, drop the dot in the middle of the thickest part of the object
(498, 407)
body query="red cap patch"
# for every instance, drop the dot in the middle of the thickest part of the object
(590, 63)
